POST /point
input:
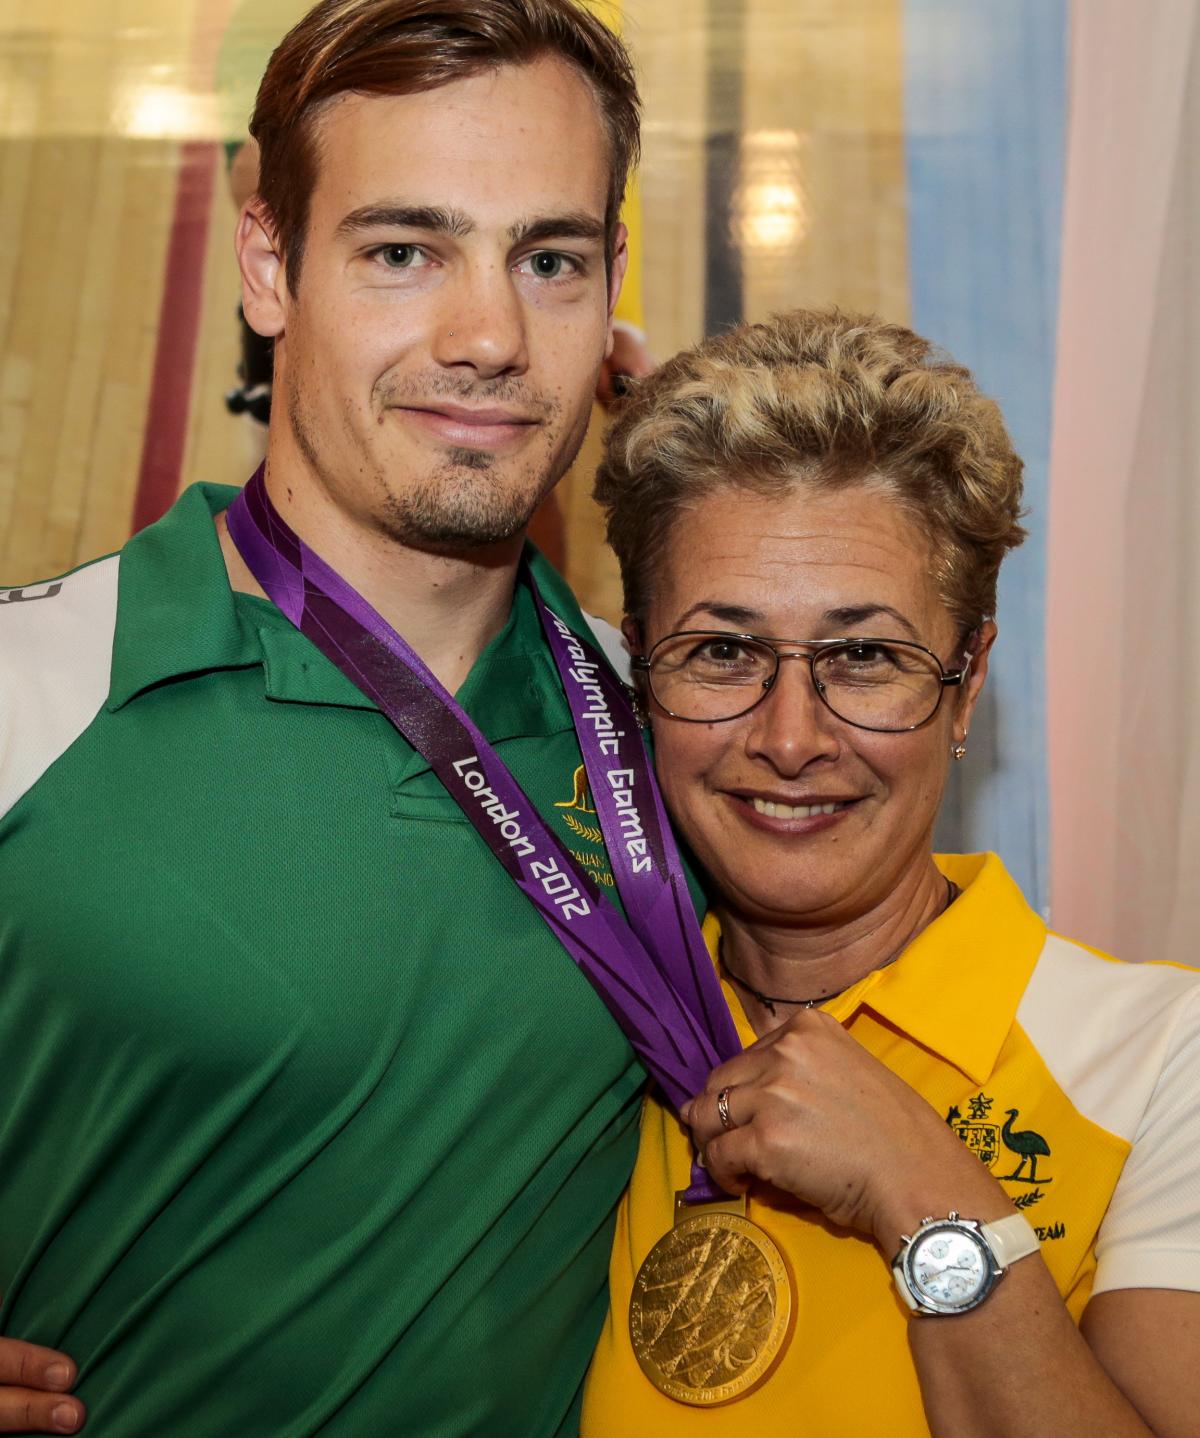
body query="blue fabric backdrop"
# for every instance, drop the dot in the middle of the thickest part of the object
(985, 96)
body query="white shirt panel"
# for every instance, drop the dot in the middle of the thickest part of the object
(1123, 1042)
(612, 645)
(56, 642)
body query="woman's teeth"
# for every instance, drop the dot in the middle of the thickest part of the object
(793, 811)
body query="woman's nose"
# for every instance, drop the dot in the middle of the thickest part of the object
(791, 726)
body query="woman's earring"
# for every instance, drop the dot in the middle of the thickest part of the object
(959, 751)
(638, 704)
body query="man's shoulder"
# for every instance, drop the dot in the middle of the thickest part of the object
(56, 641)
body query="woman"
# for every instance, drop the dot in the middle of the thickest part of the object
(810, 517)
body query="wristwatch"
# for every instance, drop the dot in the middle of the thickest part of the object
(950, 1265)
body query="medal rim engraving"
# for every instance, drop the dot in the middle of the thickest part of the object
(760, 1367)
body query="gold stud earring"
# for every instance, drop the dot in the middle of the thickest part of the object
(959, 751)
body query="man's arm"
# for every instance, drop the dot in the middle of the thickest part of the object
(35, 1390)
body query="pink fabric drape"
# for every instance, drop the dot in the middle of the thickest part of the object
(1123, 621)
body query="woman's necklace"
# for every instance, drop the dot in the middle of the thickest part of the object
(769, 1001)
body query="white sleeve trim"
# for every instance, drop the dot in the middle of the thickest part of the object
(1176, 1268)
(56, 642)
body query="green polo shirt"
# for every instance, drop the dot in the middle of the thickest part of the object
(309, 1125)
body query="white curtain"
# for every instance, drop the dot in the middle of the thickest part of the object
(1123, 618)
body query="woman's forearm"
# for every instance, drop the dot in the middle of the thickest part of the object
(1015, 1365)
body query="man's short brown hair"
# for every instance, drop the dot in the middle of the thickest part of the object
(406, 47)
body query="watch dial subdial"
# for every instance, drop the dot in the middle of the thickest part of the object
(949, 1268)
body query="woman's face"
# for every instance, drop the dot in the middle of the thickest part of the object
(809, 566)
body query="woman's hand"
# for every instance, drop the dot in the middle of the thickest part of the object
(818, 1116)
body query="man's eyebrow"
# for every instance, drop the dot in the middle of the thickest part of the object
(406, 217)
(573, 226)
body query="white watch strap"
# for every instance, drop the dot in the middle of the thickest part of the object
(1010, 1238)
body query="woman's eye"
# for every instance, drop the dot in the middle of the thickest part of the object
(724, 656)
(722, 652)
(866, 653)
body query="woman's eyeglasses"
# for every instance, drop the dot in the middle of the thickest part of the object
(886, 685)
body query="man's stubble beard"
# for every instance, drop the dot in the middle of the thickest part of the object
(466, 503)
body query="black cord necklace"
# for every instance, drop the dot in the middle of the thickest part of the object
(769, 1001)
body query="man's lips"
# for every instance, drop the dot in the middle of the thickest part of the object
(484, 428)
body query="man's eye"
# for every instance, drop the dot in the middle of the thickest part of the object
(549, 265)
(399, 257)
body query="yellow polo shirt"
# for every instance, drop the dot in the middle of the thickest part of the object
(985, 1013)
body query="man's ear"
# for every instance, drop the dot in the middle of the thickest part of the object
(264, 285)
(620, 263)
(979, 650)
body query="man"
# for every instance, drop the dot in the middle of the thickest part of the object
(310, 1124)
(254, 30)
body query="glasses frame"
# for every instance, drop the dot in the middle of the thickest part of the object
(950, 678)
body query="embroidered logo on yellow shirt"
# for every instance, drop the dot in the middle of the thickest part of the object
(1003, 1146)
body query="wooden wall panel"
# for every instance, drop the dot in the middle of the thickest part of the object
(821, 210)
(221, 448)
(95, 99)
(83, 231)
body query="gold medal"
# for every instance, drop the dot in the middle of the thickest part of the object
(711, 1305)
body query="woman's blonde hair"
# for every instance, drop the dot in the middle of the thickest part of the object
(823, 399)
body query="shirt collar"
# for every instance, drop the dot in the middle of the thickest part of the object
(956, 988)
(177, 616)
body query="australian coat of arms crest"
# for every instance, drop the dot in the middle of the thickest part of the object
(989, 1140)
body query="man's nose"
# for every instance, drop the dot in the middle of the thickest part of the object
(482, 324)
(791, 726)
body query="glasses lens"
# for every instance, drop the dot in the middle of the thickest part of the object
(879, 686)
(710, 676)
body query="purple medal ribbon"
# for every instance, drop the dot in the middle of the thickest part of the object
(637, 833)
(653, 972)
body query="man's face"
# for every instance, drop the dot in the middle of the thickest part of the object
(436, 367)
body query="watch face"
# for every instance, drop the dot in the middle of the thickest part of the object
(949, 1269)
